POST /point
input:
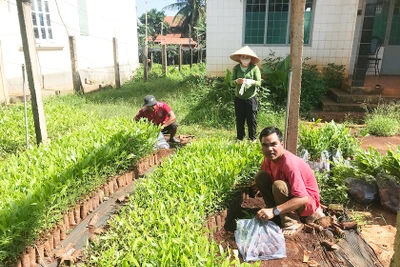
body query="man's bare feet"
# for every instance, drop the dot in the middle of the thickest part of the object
(292, 230)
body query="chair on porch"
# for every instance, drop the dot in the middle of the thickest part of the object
(373, 58)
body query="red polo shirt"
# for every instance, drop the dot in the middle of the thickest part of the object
(158, 116)
(299, 177)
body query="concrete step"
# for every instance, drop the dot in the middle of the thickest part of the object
(329, 105)
(374, 90)
(338, 116)
(341, 96)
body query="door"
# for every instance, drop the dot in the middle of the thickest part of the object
(391, 54)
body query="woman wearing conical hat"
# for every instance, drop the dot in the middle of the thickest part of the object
(246, 78)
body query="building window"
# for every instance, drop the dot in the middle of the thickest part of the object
(268, 21)
(83, 17)
(41, 19)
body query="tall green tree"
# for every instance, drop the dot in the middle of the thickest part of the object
(190, 13)
(200, 32)
(155, 25)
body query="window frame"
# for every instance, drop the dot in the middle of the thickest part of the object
(47, 22)
(287, 42)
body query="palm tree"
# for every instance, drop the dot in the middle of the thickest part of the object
(190, 13)
(201, 31)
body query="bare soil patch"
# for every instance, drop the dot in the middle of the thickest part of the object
(378, 233)
(381, 143)
(377, 225)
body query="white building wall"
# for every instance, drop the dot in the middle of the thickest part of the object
(331, 38)
(106, 19)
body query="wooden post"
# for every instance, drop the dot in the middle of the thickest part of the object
(116, 64)
(190, 46)
(145, 52)
(191, 57)
(296, 59)
(76, 80)
(164, 58)
(180, 57)
(29, 48)
(151, 61)
(4, 98)
(145, 63)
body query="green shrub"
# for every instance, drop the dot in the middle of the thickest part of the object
(382, 125)
(391, 163)
(368, 162)
(328, 136)
(211, 103)
(332, 187)
(313, 88)
(275, 72)
(333, 75)
(384, 120)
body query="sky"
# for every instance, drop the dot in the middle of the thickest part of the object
(157, 4)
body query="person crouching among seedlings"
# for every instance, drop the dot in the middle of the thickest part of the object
(287, 185)
(159, 113)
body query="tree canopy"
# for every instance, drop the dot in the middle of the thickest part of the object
(190, 14)
(155, 25)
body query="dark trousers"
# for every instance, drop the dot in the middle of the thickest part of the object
(276, 193)
(170, 129)
(246, 111)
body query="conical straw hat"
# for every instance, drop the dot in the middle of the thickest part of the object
(245, 51)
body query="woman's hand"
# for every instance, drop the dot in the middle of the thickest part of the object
(239, 80)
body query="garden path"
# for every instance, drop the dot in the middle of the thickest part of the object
(381, 143)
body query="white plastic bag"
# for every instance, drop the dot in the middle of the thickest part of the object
(325, 162)
(315, 166)
(161, 142)
(337, 158)
(241, 91)
(322, 165)
(259, 240)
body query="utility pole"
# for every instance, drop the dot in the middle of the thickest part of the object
(163, 53)
(4, 98)
(164, 59)
(76, 78)
(29, 48)
(296, 59)
(145, 52)
(180, 57)
(190, 46)
(116, 64)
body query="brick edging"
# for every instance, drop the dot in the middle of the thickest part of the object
(49, 240)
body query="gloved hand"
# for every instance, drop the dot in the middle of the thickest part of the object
(249, 82)
(241, 90)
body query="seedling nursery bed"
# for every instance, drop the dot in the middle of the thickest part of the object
(65, 243)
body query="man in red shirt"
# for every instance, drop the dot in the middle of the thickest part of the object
(159, 113)
(287, 184)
